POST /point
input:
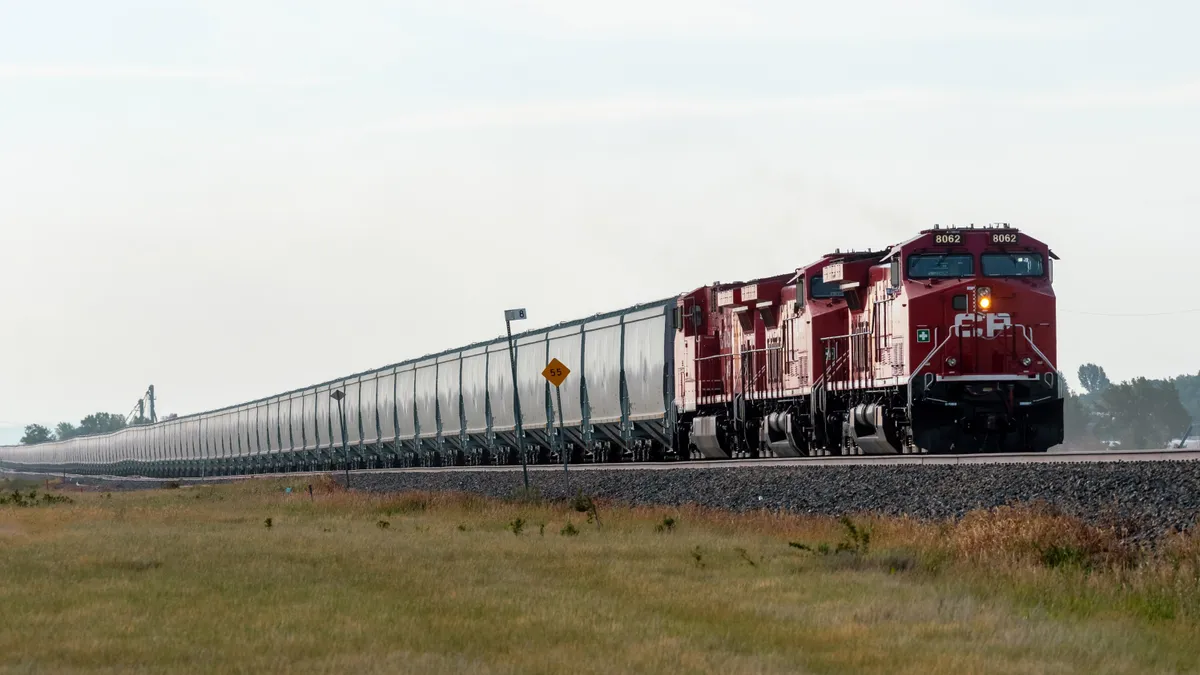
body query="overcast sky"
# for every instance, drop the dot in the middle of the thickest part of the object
(231, 199)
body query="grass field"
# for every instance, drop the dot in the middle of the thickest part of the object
(249, 578)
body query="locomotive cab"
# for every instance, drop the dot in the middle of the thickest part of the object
(982, 374)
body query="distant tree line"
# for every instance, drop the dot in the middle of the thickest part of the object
(96, 423)
(1137, 413)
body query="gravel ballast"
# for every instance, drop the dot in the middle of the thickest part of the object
(1148, 496)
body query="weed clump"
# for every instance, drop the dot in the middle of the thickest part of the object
(744, 556)
(858, 539)
(267, 523)
(857, 542)
(382, 524)
(569, 530)
(1064, 556)
(1038, 534)
(28, 499)
(517, 525)
(581, 502)
(407, 503)
(585, 504)
(667, 525)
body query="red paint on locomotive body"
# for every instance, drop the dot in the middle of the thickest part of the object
(728, 343)
(943, 343)
(1013, 280)
(836, 289)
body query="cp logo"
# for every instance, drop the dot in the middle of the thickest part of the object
(986, 326)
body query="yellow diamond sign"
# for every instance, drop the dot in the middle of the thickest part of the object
(556, 372)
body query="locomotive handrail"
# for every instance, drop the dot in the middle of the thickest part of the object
(1027, 333)
(767, 390)
(929, 357)
(732, 354)
(847, 335)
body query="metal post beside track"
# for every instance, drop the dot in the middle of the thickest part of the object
(338, 395)
(562, 437)
(556, 373)
(511, 315)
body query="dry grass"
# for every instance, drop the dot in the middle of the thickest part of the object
(194, 579)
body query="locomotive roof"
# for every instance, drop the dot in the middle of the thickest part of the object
(836, 256)
(724, 285)
(852, 256)
(1002, 227)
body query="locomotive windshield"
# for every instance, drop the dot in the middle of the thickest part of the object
(1012, 264)
(940, 265)
(820, 289)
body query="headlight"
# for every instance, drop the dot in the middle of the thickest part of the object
(983, 297)
(1026, 361)
(952, 362)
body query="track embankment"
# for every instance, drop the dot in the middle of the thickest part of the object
(1146, 497)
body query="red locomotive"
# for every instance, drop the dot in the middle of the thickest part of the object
(942, 344)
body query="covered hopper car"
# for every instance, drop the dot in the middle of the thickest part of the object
(944, 343)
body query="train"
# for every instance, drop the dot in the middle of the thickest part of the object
(942, 344)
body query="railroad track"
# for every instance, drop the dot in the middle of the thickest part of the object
(877, 460)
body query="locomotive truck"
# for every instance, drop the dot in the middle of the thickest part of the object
(944, 343)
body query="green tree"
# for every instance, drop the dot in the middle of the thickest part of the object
(1142, 413)
(1189, 393)
(65, 430)
(1093, 378)
(1077, 418)
(36, 433)
(100, 423)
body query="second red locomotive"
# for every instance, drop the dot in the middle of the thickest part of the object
(944, 343)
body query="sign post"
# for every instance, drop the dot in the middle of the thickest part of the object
(338, 395)
(556, 373)
(511, 315)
